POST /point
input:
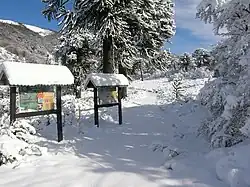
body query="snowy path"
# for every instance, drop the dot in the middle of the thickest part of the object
(119, 156)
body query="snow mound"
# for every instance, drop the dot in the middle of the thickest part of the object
(234, 168)
(17, 141)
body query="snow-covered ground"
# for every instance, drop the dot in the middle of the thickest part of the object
(40, 31)
(157, 146)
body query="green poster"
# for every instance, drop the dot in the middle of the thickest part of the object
(28, 97)
(28, 101)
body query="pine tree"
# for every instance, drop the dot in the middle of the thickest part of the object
(161, 61)
(186, 61)
(124, 26)
(227, 97)
(77, 52)
(177, 89)
(202, 57)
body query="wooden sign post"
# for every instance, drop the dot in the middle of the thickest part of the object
(109, 83)
(34, 83)
(14, 114)
(97, 106)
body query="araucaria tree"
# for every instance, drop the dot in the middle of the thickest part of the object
(186, 61)
(123, 28)
(227, 97)
(202, 57)
(78, 53)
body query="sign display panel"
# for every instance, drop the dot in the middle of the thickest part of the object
(107, 95)
(36, 99)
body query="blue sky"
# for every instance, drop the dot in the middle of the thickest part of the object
(25, 11)
(191, 33)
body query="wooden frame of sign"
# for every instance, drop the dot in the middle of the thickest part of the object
(107, 82)
(58, 111)
(97, 106)
(20, 75)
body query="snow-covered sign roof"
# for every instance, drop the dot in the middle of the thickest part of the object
(27, 74)
(105, 79)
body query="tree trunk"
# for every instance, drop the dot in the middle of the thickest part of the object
(141, 71)
(78, 78)
(77, 91)
(108, 66)
(124, 91)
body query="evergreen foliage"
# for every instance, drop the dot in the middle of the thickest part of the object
(177, 89)
(186, 61)
(78, 53)
(202, 57)
(227, 97)
(125, 29)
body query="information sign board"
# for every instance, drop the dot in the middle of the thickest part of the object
(107, 95)
(36, 99)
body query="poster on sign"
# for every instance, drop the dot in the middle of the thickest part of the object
(36, 99)
(107, 95)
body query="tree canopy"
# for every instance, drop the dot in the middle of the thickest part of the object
(127, 26)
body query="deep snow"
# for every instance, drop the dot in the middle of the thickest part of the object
(157, 146)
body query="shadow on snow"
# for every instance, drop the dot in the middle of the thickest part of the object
(125, 148)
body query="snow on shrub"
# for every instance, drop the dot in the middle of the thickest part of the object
(17, 140)
(229, 107)
(246, 128)
(177, 165)
(169, 152)
(227, 97)
(157, 146)
(4, 100)
(189, 89)
(195, 73)
(68, 109)
(74, 109)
